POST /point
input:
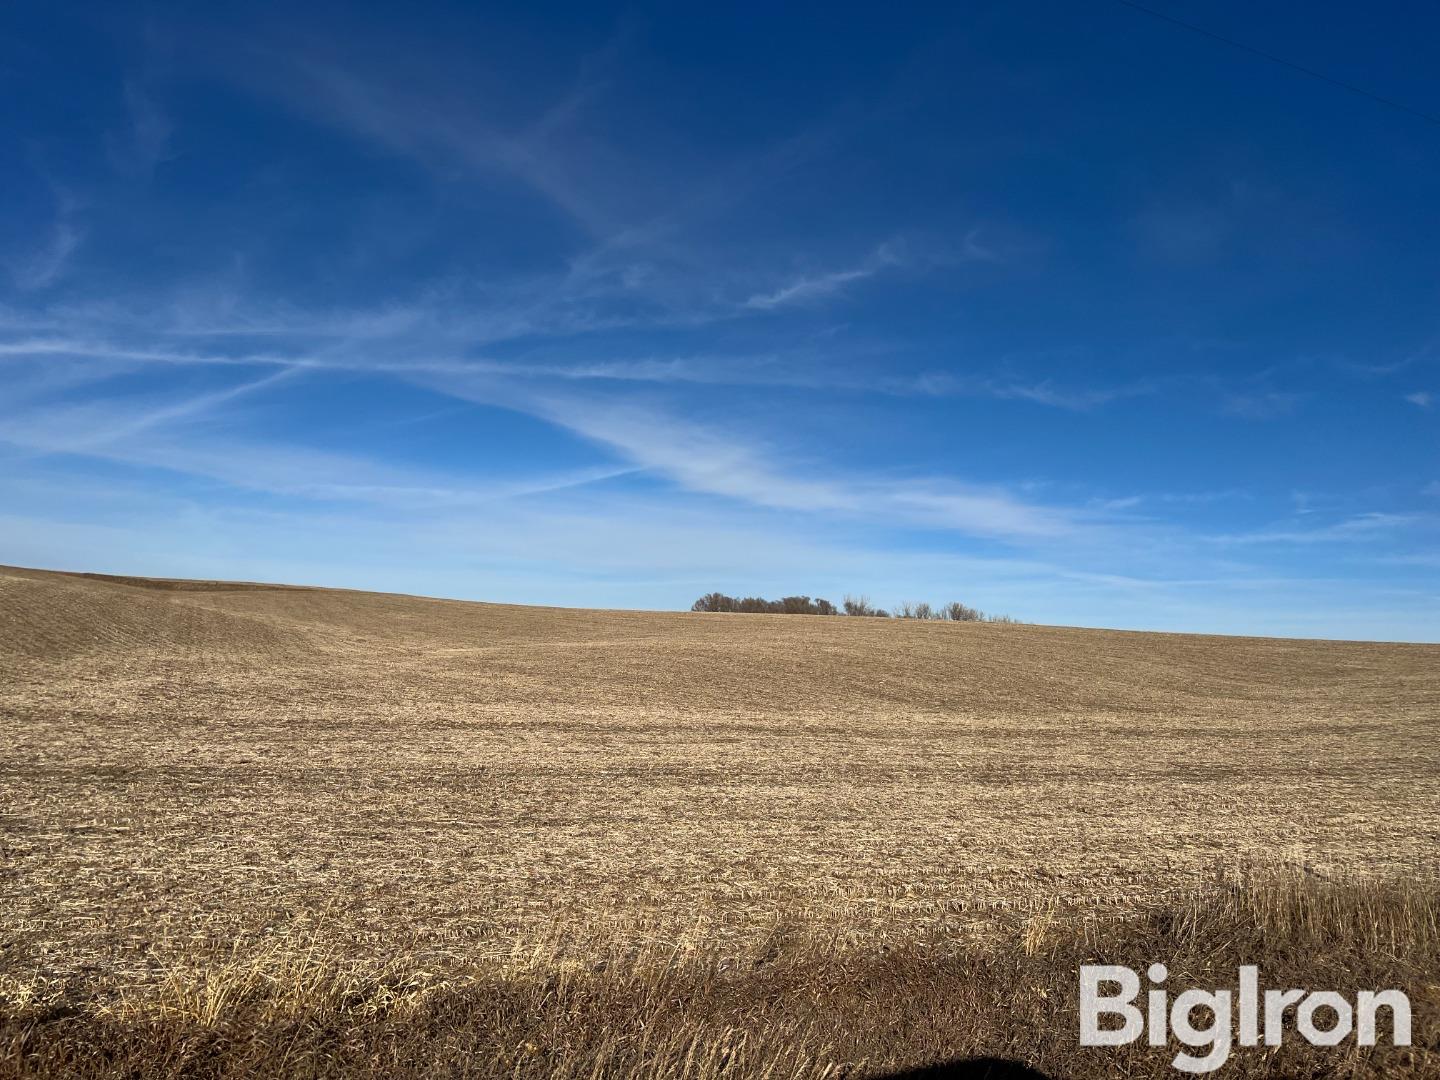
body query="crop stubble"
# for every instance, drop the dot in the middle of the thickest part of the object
(185, 766)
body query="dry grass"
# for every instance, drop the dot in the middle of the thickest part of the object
(195, 775)
(800, 1003)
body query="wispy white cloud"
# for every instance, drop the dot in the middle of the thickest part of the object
(813, 288)
(1373, 370)
(408, 114)
(770, 370)
(628, 290)
(702, 460)
(1423, 398)
(164, 437)
(808, 289)
(1203, 497)
(1262, 405)
(187, 409)
(180, 435)
(1360, 528)
(1182, 234)
(1124, 502)
(45, 265)
(1425, 559)
(1039, 392)
(111, 428)
(145, 143)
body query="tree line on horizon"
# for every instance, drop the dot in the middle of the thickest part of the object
(859, 606)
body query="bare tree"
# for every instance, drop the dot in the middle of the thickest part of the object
(958, 612)
(852, 605)
(860, 605)
(758, 605)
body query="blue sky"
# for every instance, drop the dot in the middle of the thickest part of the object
(1056, 308)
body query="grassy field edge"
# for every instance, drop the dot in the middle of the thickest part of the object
(798, 1004)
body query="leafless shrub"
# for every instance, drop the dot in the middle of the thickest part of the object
(756, 605)
(955, 611)
(912, 609)
(853, 605)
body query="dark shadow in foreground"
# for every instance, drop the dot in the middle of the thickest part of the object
(983, 1068)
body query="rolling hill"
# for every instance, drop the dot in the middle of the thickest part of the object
(191, 765)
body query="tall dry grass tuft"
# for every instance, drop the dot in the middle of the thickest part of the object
(796, 1002)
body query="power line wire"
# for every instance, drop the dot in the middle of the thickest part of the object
(1432, 117)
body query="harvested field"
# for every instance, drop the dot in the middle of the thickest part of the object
(194, 771)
